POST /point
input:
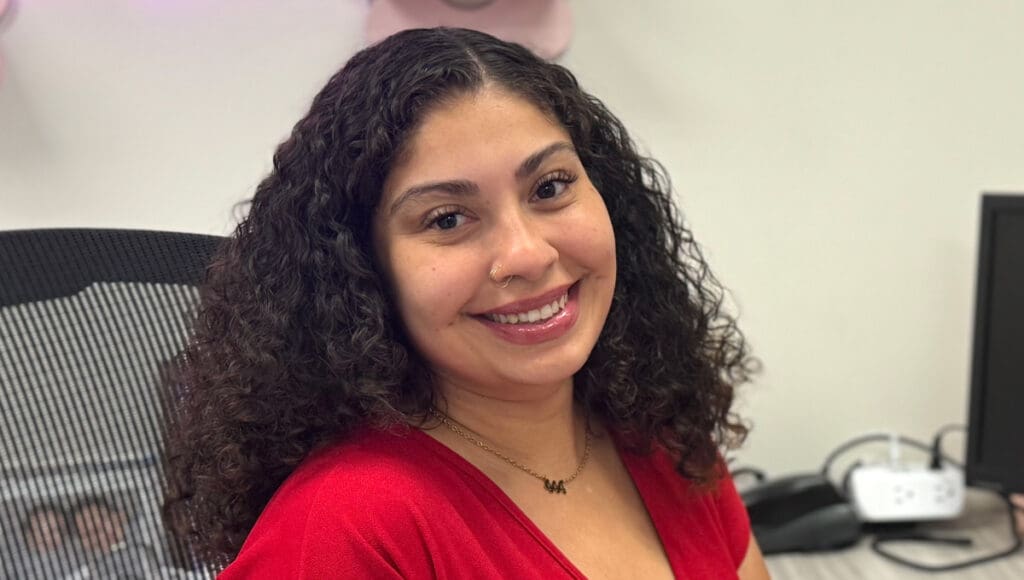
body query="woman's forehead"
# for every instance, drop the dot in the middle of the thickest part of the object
(490, 126)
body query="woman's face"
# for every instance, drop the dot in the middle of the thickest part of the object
(45, 530)
(488, 183)
(99, 527)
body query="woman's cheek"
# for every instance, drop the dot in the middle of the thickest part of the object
(436, 286)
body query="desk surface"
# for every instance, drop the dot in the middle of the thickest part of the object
(985, 521)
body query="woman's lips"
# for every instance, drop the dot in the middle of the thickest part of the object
(540, 331)
(530, 303)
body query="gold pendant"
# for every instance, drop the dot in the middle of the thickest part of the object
(554, 486)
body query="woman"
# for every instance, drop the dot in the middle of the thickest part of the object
(460, 334)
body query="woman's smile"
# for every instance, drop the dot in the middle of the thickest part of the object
(552, 315)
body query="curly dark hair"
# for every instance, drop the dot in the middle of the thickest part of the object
(298, 342)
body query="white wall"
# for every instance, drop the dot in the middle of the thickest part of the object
(829, 155)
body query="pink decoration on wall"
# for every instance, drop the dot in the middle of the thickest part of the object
(543, 26)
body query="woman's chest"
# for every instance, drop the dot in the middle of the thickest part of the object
(612, 543)
(601, 524)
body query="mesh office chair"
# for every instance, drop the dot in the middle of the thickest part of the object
(89, 319)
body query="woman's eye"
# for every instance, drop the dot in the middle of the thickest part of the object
(448, 221)
(554, 187)
(551, 189)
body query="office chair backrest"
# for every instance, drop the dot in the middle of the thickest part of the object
(89, 321)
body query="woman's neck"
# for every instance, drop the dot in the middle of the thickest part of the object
(545, 432)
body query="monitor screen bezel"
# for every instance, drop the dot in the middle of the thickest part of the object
(978, 473)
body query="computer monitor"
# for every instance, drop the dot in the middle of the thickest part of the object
(995, 433)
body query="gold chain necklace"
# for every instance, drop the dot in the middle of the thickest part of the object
(551, 485)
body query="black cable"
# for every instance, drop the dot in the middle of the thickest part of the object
(876, 546)
(919, 536)
(937, 455)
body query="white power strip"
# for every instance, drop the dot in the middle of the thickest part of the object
(891, 493)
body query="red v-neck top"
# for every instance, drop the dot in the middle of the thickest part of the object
(402, 505)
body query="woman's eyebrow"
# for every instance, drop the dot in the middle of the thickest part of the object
(463, 187)
(531, 163)
(457, 187)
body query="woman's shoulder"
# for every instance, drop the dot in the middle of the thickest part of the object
(355, 504)
(370, 465)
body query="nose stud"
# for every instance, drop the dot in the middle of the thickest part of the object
(493, 275)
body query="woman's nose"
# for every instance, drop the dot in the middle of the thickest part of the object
(524, 248)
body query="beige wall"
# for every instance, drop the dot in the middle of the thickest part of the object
(829, 156)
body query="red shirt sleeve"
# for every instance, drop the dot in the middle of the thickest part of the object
(735, 521)
(314, 529)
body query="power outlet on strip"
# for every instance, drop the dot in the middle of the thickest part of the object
(906, 492)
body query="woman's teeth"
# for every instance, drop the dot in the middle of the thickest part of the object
(533, 316)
